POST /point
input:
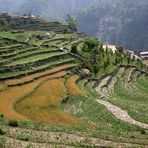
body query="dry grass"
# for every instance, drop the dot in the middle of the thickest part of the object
(72, 88)
(42, 105)
(9, 97)
(2, 86)
(37, 75)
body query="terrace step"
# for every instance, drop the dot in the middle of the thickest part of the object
(36, 76)
(28, 54)
(14, 75)
(32, 64)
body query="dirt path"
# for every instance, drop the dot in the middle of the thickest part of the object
(121, 114)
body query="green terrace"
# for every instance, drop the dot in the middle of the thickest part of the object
(34, 58)
(27, 53)
(32, 70)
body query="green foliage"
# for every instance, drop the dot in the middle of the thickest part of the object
(143, 131)
(72, 22)
(74, 49)
(65, 31)
(22, 137)
(1, 116)
(13, 123)
(90, 44)
(2, 132)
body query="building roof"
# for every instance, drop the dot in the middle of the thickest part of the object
(144, 52)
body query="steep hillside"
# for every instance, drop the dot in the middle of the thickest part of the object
(118, 22)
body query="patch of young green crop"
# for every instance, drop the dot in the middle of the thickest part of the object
(22, 36)
(34, 58)
(63, 36)
(19, 51)
(29, 53)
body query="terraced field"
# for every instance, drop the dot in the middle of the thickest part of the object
(43, 89)
(24, 69)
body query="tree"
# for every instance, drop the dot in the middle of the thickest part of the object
(120, 49)
(3, 22)
(95, 68)
(74, 49)
(90, 44)
(72, 22)
(101, 47)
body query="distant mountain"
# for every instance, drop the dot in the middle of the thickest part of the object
(118, 22)
(51, 9)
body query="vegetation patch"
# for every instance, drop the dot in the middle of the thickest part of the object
(13, 123)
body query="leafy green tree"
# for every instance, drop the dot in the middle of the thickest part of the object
(72, 22)
(120, 49)
(90, 44)
(74, 49)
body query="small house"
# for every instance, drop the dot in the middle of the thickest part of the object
(47, 35)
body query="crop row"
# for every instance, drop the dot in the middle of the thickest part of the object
(28, 54)
(38, 75)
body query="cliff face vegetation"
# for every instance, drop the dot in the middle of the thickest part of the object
(117, 22)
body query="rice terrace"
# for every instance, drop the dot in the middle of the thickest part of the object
(61, 88)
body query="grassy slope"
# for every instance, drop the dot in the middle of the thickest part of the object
(132, 99)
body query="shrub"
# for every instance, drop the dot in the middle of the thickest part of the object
(1, 132)
(90, 44)
(143, 131)
(74, 49)
(13, 123)
(1, 116)
(23, 138)
(65, 31)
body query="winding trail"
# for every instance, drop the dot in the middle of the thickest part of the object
(121, 114)
(115, 110)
